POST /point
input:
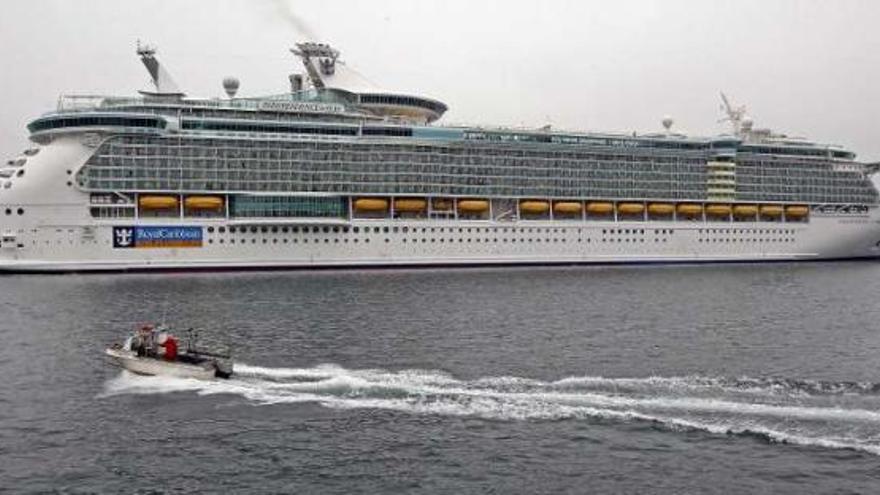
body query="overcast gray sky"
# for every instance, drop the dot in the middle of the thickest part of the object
(804, 67)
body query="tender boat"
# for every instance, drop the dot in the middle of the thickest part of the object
(154, 351)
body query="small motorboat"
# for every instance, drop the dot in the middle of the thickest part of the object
(155, 351)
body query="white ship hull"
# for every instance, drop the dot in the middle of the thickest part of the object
(55, 232)
(456, 243)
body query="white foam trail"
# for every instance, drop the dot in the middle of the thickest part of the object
(664, 401)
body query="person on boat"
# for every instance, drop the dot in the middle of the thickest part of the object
(140, 341)
(170, 348)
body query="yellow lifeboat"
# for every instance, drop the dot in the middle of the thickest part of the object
(718, 210)
(157, 202)
(371, 204)
(796, 211)
(745, 211)
(203, 202)
(473, 206)
(534, 207)
(410, 205)
(661, 209)
(690, 210)
(630, 208)
(599, 208)
(567, 208)
(771, 211)
(441, 204)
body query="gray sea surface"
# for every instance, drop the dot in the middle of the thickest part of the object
(685, 379)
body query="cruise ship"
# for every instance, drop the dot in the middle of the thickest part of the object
(338, 172)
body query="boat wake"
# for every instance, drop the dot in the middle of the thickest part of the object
(840, 415)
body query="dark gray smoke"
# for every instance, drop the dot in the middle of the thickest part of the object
(285, 10)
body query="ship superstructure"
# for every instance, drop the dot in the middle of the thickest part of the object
(339, 172)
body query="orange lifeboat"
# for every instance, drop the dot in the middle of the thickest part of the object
(661, 209)
(532, 207)
(410, 205)
(157, 202)
(798, 211)
(599, 208)
(630, 208)
(203, 202)
(371, 204)
(567, 208)
(745, 211)
(471, 206)
(771, 211)
(689, 210)
(718, 210)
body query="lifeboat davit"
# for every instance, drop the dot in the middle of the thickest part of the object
(473, 205)
(796, 211)
(745, 211)
(203, 203)
(410, 205)
(630, 208)
(371, 204)
(568, 208)
(661, 209)
(771, 211)
(718, 210)
(689, 210)
(157, 202)
(534, 207)
(599, 208)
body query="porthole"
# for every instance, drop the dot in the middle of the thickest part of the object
(264, 229)
(274, 230)
(210, 230)
(20, 211)
(335, 230)
(222, 230)
(8, 211)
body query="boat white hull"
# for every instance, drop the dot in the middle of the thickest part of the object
(154, 367)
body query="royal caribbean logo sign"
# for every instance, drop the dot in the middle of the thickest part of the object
(157, 237)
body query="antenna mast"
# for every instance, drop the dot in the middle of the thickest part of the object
(735, 115)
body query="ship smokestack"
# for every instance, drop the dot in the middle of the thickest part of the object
(296, 83)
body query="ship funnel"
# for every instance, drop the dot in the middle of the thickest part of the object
(162, 81)
(296, 83)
